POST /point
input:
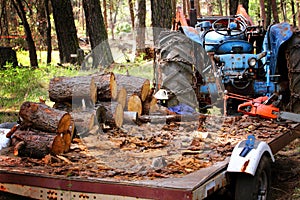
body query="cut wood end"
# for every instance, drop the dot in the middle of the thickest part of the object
(64, 123)
(119, 115)
(93, 91)
(113, 86)
(135, 104)
(145, 90)
(122, 97)
(58, 145)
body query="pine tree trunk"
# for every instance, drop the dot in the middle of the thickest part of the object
(102, 56)
(274, 10)
(263, 12)
(65, 30)
(140, 27)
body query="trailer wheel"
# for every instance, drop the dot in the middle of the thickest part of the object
(250, 187)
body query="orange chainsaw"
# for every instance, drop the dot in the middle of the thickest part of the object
(265, 107)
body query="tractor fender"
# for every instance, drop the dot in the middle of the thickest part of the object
(249, 163)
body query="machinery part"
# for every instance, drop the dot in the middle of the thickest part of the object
(293, 62)
(174, 68)
(234, 26)
(250, 187)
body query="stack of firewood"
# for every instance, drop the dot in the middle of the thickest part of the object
(42, 130)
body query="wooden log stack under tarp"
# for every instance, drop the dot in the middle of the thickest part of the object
(43, 130)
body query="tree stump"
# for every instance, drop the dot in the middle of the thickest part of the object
(73, 90)
(42, 117)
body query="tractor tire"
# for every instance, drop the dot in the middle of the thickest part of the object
(174, 68)
(255, 187)
(293, 63)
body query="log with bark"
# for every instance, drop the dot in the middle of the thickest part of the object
(73, 90)
(37, 144)
(42, 117)
(84, 120)
(107, 88)
(134, 85)
(110, 113)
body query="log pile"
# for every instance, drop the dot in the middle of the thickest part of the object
(43, 130)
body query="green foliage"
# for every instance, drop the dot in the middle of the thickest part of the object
(19, 84)
(123, 27)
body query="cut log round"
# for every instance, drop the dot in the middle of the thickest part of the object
(135, 104)
(73, 89)
(42, 117)
(37, 144)
(122, 96)
(107, 89)
(134, 85)
(84, 120)
(110, 114)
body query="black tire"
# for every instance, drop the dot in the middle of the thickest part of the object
(248, 187)
(174, 67)
(293, 63)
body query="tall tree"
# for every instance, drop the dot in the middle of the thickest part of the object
(140, 27)
(161, 16)
(65, 30)
(18, 5)
(263, 12)
(233, 5)
(274, 11)
(131, 10)
(49, 39)
(102, 55)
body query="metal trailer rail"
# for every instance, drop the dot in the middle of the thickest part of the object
(197, 185)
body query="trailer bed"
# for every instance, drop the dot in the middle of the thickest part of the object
(96, 170)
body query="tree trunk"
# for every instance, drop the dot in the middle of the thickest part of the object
(131, 10)
(274, 10)
(37, 144)
(42, 117)
(245, 4)
(65, 30)
(293, 13)
(134, 85)
(263, 12)
(111, 114)
(102, 55)
(73, 90)
(268, 13)
(141, 27)
(107, 88)
(161, 16)
(104, 5)
(220, 8)
(32, 50)
(233, 4)
(49, 44)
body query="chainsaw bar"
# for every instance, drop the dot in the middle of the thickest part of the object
(289, 116)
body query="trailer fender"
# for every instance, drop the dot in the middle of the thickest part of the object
(247, 163)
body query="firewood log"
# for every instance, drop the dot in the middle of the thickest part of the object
(122, 96)
(107, 88)
(84, 120)
(135, 104)
(110, 114)
(73, 90)
(37, 144)
(42, 117)
(134, 85)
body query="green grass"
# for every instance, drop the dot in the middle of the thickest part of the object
(20, 84)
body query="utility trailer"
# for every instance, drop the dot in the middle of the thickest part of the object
(37, 180)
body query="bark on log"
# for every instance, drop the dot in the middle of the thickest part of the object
(110, 114)
(84, 120)
(42, 117)
(134, 85)
(135, 104)
(73, 90)
(160, 119)
(107, 88)
(37, 144)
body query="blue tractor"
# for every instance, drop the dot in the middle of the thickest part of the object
(223, 61)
